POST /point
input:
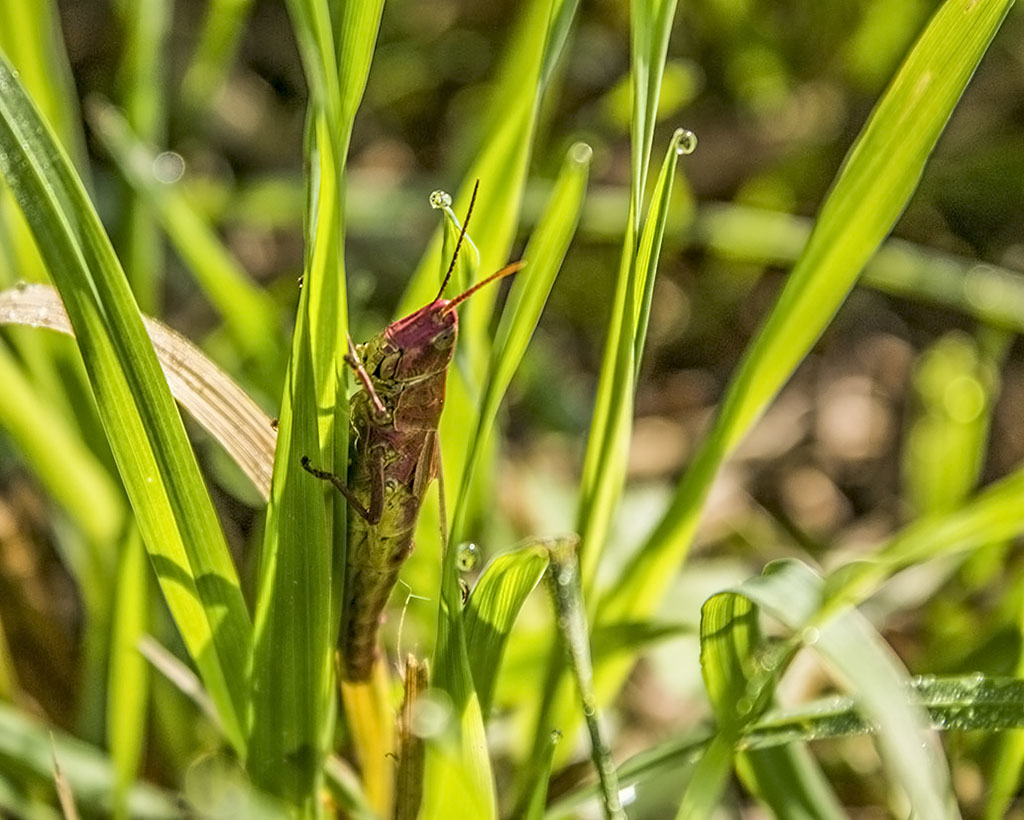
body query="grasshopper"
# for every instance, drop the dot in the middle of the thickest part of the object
(393, 455)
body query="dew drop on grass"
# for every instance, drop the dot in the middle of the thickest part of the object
(581, 153)
(686, 141)
(810, 636)
(467, 556)
(440, 200)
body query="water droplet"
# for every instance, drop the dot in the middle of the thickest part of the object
(810, 636)
(440, 199)
(168, 167)
(556, 735)
(686, 141)
(467, 556)
(581, 153)
(743, 706)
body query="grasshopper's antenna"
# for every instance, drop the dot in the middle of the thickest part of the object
(508, 270)
(462, 235)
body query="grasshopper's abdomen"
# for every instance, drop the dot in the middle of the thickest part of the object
(391, 465)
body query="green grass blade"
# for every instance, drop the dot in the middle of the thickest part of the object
(993, 516)
(537, 799)
(457, 777)
(604, 468)
(218, 43)
(650, 28)
(302, 561)
(877, 178)
(544, 254)
(954, 384)
(966, 703)
(128, 687)
(675, 758)
(157, 464)
(248, 312)
(30, 36)
(492, 609)
(502, 162)
(604, 465)
(293, 649)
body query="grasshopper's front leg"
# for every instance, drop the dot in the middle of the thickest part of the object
(353, 360)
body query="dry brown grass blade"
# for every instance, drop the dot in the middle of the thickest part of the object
(210, 396)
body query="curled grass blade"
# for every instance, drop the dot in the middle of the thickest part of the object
(156, 463)
(492, 609)
(743, 679)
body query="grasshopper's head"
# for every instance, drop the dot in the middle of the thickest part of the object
(426, 338)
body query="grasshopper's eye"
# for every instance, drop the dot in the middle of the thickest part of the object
(386, 367)
(445, 339)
